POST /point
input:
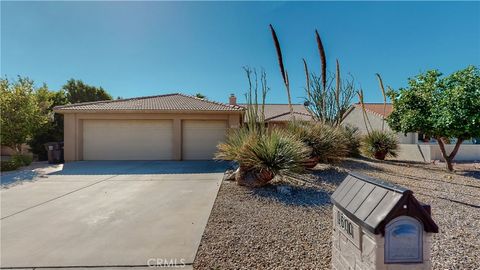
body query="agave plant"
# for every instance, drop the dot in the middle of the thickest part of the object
(262, 156)
(380, 144)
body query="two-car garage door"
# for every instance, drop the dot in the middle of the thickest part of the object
(127, 139)
(150, 139)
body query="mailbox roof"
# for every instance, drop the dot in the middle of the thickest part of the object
(373, 203)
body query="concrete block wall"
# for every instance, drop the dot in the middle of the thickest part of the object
(431, 152)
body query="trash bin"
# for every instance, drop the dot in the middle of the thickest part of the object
(54, 152)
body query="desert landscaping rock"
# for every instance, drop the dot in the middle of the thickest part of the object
(266, 229)
(229, 175)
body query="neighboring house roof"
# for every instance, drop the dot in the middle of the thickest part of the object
(377, 108)
(168, 102)
(286, 117)
(280, 112)
(373, 108)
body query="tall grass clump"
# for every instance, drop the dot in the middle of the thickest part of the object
(261, 153)
(261, 156)
(353, 139)
(380, 144)
(327, 144)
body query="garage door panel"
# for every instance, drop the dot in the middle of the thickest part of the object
(127, 139)
(200, 138)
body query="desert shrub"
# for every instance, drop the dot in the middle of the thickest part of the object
(262, 155)
(22, 160)
(9, 165)
(327, 143)
(276, 151)
(234, 143)
(353, 140)
(380, 144)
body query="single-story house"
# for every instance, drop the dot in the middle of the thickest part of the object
(163, 127)
(376, 115)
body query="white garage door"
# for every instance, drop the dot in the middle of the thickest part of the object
(200, 138)
(127, 139)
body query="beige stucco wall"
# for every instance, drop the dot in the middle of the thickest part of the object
(413, 152)
(431, 152)
(467, 152)
(355, 118)
(73, 127)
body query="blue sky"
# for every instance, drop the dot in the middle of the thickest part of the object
(149, 48)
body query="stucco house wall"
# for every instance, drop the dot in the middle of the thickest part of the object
(355, 118)
(73, 127)
(163, 127)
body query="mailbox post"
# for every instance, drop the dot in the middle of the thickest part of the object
(377, 225)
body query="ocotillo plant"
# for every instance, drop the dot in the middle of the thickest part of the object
(328, 103)
(282, 69)
(256, 117)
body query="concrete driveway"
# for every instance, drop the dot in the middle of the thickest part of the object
(109, 214)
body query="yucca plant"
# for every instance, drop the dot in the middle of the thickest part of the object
(262, 156)
(380, 144)
(234, 143)
(353, 139)
(327, 143)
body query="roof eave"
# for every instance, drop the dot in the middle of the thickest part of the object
(63, 111)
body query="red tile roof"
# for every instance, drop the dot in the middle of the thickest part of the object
(168, 102)
(377, 108)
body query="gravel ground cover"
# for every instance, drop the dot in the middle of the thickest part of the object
(277, 228)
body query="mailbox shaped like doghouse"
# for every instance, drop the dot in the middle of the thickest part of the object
(378, 225)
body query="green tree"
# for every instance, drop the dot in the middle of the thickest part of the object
(21, 112)
(200, 95)
(73, 91)
(52, 130)
(441, 107)
(77, 91)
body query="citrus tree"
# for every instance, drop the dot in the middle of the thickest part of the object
(440, 107)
